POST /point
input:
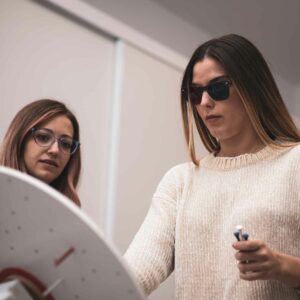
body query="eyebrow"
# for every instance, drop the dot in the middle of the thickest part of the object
(216, 79)
(50, 130)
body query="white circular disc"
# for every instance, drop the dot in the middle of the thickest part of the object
(38, 225)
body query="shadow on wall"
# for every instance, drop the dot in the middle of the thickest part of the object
(273, 25)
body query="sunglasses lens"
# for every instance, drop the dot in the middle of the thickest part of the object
(219, 90)
(196, 95)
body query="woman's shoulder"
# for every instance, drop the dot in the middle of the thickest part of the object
(180, 174)
(182, 169)
(175, 180)
(287, 154)
(293, 150)
(296, 148)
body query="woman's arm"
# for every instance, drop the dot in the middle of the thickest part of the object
(151, 253)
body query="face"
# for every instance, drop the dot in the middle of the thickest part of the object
(226, 120)
(47, 163)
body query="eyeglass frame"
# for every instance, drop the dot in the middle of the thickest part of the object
(55, 139)
(186, 92)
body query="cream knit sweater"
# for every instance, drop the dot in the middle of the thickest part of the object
(189, 227)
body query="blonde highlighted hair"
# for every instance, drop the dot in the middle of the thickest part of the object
(254, 82)
(32, 115)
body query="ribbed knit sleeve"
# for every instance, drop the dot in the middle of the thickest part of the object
(151, 253)
(199, 207)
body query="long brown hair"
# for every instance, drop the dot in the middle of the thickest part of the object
(33, 114)
(254, 82)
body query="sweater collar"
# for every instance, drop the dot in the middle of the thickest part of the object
(227, 163)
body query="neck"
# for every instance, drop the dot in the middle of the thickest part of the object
(230, 148)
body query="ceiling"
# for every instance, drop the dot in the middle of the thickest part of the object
(273, 25)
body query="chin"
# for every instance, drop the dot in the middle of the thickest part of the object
(220, 135)
(46, 178)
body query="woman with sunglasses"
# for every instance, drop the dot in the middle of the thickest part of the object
(43, 141)
(251, 176)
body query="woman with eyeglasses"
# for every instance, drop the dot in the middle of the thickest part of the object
(43, 141)
(251, 176)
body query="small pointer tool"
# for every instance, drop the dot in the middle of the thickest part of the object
(239, 234)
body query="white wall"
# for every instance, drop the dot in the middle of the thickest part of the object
(183, 25)
(155, 21)
(296, 105)
(150, 137)
(290, 93)
(43, 54)
(150, 142)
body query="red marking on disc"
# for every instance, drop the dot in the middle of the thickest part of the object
(58, 261)
(27, 279)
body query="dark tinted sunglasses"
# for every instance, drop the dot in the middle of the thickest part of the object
(218, 91)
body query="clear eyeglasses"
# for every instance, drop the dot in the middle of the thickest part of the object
(45, 138)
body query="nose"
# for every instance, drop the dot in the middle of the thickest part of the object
(206, 100)
(54, 148)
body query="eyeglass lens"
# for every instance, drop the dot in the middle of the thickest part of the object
(46, 138)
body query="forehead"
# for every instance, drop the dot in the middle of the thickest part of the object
(206, 70)
(60, 125)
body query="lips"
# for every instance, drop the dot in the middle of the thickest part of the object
(212, 117)
(49, 162)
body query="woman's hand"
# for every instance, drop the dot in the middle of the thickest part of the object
(257, 261)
